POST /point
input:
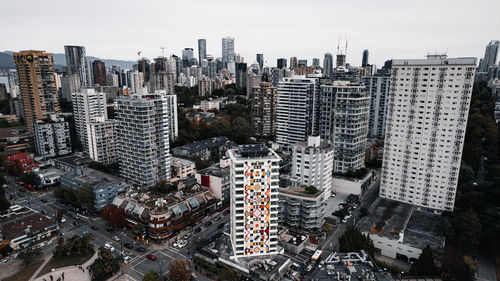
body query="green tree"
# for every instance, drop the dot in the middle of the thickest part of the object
(425, 265)
(445, 229)
(453, 266)
(105, 265)
(29, 178)
(468, 231)
(311, 189)
(353, 241)
(151, 275)
(4, 203)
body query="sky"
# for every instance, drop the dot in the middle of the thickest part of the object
(389, 29)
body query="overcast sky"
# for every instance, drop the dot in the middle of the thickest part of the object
(277, 28)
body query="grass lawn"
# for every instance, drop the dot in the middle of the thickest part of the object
(25, 273)
(65, 261)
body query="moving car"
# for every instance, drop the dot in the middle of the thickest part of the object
(151, 257)
(140, 249)
(116, 238)
(43, 200)
(209, 223)
(197, 230)
(94, 227)
(127, 245)
(182, 244)
(109, 247)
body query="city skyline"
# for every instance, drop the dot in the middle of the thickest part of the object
(392, 34)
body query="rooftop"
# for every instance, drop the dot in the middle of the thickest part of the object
(14, 132)
(398, 220)
(357, 265)
(435, 61)
(181, 162)
(19, 219)
(215, 170)
(299, 191)
(94, 177)
(253, 150)
(73, 160)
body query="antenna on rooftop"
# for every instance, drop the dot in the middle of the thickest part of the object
(162, 51)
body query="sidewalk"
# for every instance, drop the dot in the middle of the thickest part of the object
(70, 272)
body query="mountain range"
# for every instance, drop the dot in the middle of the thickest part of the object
(7, 61)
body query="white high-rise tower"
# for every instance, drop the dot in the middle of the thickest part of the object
(254, 200)
(427, 117)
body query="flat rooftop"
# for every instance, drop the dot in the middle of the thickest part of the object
(215, 170)
(299, 191)
(435, 61)
(94, 177)
(16, 223)
(390, 218)
(253, 150)
(181, 162)
(73, 160)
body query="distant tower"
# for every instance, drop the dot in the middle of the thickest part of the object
(281, 63)
(227, 50)
(490, 56)
(328, 65)
(293, 62)
(76, 62)
(202, 50)
(99, 69)
(260, 60)
(365, 58)
(315, 62)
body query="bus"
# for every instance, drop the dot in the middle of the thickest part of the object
(316, 256)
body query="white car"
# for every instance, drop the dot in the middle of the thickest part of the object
(182, 244)
(63, 220)
(109, 247)
(176, 244)
(127, 259)
(116, 238)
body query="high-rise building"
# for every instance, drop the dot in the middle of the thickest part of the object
(328, 65)
(297, 109)
(52, 137)
(281, 63)
(364, 62)
(293, 62)
(315, 62)
(490, 56)
(254, 176)
(263, 102)
(260, 60)
(340, 60)
(87, 105)
(144, 67)
(89, 73)
(143, 138)
(99, 70)
(241, 75)
(205, 87)
(38, 85)
(227, 51)
(202, 50)
(69, 84)
(312, 163)
(187, 57)
(344, 123)
(102, 140)
(426, 122)
(378, 88)
(76, 63)
(302, 63)
(253, 80)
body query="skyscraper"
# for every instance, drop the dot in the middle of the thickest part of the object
(187, 57)
(254, 176)
(297, 109)
(281, 63)
(38, 85)
(315, 62)
(144, 67)
(293, 62)
(378, 88)
(99, 69)
(328, 65)
(227, 50)
(490, 56)
(365, 58)
(425, 131)
(76, 63)
(302, 63)
(87, 105)
(143, 138)
(344, 123)
(202, 50)
(260, 60)
(241, 75)
(263, 102)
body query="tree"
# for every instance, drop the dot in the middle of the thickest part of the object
(114, 215)
(468, 231)
(151, 275)
(454, 267)
(28, 256)
(4, 203)
(311, 189)
(15, 168)
(445, 229)
(354, 241)
(425, 265)
(105, 265)
(179, 270)
(5, 250)
(29, 178)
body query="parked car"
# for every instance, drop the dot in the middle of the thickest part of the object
(75, 224)
(127, 245)
(116, 238)
(43, 200)
(217, 218)
(5, 260)
(197, 230)
(182, 244)
(94, 227)
(207, 224)
(187, 236)
(63, 220)
(151, 257)
(127, 259)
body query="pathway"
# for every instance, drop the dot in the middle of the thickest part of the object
(70, 272)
